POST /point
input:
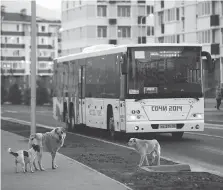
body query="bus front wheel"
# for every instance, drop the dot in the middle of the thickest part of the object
(177, 135)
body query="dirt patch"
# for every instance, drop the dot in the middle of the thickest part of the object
(121, 164)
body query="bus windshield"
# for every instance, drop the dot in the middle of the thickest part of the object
(164, 72)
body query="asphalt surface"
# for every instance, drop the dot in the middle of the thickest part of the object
(202, 149)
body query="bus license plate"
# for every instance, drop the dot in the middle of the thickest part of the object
(167, 126)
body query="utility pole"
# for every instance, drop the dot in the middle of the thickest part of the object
(33, 67)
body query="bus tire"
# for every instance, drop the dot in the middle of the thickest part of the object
(111, 128)
(177, 135)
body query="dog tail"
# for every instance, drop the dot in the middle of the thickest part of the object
(12, 153)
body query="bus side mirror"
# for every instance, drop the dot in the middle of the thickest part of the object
(123, 62)
(210, 62)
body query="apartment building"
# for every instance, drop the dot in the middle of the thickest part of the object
(16, 48)
(198, 21)
(91, 22)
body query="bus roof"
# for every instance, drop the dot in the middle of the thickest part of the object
(117, 49)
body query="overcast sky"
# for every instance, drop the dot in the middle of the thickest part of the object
(50, 4)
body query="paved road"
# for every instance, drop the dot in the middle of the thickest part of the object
(200, 149)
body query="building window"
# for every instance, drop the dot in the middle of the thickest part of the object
(6, 40)
(102, 31)
(43, 28)
(222, 35)
(67, 4)
(17, 27)
(222, 8)
(124, 11)
(204, 8)
(124, 31)
(73, 3)
(42, 40)
(170, 15)
(102, 11)
(17, 39)
(170, 39)
(150, 10)
(178, 13)
(204, 37)
(150, 31)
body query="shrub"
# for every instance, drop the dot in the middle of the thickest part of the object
(27, 96)
(3, 94)
(42, 96)
(15, 96)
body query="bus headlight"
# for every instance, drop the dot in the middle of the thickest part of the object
(197, 115)
(134, 117)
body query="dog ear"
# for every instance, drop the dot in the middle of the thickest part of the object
(56, 129)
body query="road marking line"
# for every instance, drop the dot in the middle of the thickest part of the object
(210, 149)
(206, 135)
(194, 168)
(9, 111)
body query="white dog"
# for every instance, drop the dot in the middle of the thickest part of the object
(25, 157)
(145, 147)
(49, 142)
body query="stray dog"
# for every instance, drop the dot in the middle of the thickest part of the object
(49, 142)
(25, 157)
(144, 147)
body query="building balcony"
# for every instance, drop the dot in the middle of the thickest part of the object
(13, 46)
(141, 2)
(12, 58)
(44, 46)
(12, 71)
(112, 21)
(142, 40)
(46, 34)
(45, 59)
(45, 71)
(215, 49)
(214, 20)
(112, 1)
(113, 41)
(12, 33)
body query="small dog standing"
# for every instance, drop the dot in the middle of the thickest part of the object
(145, 147)
(25, 157)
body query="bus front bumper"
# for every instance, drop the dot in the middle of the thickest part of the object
(164, 126)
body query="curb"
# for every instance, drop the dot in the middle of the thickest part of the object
(168, 168)
(195, 168)
(213, 122)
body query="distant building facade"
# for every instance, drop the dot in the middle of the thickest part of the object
(16, 48)
(93, 22)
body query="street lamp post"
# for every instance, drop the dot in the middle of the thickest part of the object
(33, 67)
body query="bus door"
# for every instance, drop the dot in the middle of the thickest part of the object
(81, 90)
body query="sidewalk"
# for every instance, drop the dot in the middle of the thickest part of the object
(70, 174)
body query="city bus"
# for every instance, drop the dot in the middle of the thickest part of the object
(139, 88)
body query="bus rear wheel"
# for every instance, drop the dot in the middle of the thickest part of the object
(177, 135)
